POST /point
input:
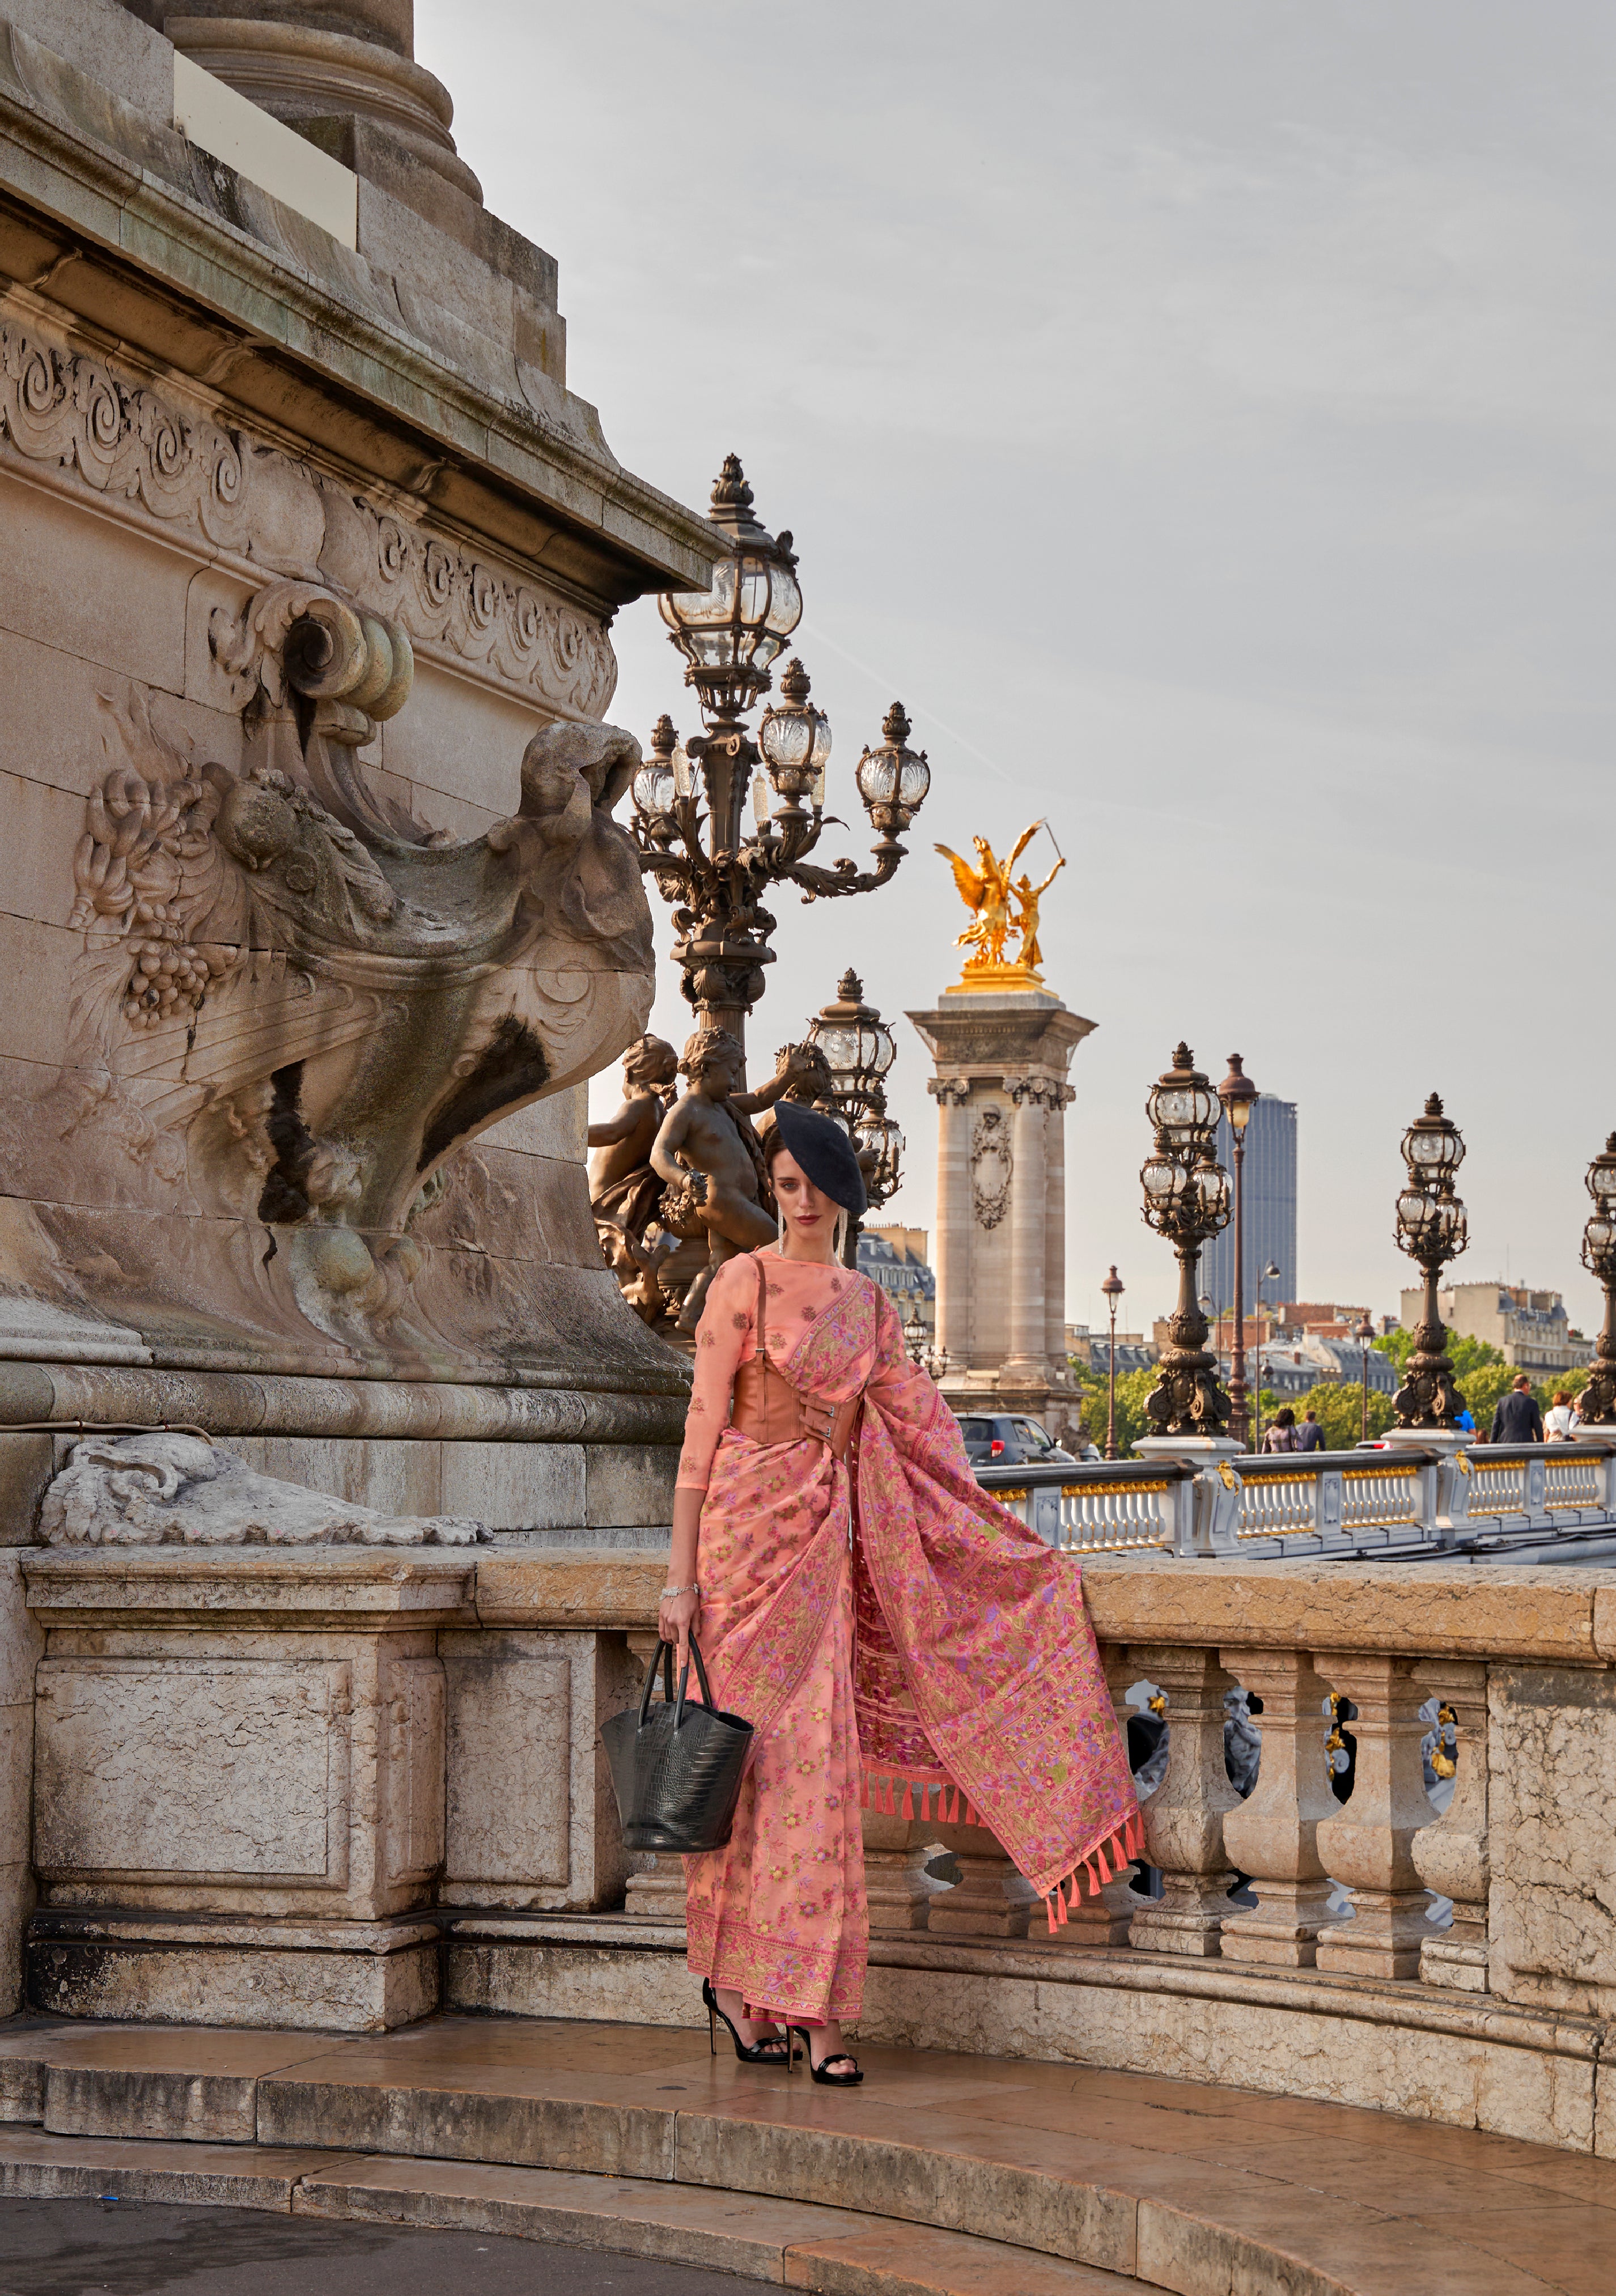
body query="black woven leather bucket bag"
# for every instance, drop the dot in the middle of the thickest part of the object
(675, 1768)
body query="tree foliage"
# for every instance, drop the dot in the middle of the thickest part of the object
(1482, 1375)
(1340, 1405)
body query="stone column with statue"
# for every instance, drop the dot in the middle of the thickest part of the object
(1002, 1041)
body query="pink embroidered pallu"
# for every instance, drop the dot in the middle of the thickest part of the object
(894, 1635)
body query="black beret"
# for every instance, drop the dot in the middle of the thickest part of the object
(825, 1154)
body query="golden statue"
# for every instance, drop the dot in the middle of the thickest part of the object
(991, 893)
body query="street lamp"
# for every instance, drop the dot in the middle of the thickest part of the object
(690, 825)
(1596, 1405)
(1186, 1199)
(919, 1346)
(1239, 1096)
(1112, 1289)
(859, 1050)
(1432, 1230)
(1365, 1333)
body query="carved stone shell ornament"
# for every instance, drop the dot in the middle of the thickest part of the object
(992, 1167)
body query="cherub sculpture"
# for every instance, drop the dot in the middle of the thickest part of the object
(987, 892)
(708, 1154)
(625, 1192)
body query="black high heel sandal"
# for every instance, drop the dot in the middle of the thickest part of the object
(826, 2078)
(749, 2053)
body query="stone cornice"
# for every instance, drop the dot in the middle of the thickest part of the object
(977, 1042)
(278, 310)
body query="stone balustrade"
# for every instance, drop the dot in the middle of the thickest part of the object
(1519, 1499)
(334, 1787)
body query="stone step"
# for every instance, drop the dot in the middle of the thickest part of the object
(1165, 2182)
(790, 2245)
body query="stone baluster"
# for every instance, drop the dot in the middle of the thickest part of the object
(896, 1884)
(954, 1221)
(1183, 1818)
(1450, 1854)
(1105, 1918)
(1272, 1834)
(990, 1898)
(1367, 1845)
(1027, 1213)
(656, 1890)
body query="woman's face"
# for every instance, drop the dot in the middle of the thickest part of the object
(808, 1214)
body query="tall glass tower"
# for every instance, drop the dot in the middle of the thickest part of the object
(1270, 1209)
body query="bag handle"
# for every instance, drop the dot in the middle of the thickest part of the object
(696, 1652)
(664, 1651)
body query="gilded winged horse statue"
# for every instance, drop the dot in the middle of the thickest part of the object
(991, 893)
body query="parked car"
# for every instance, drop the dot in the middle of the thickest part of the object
(1006, 1439)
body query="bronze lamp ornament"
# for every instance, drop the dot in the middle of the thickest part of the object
(1596, 1405)
(720, 817)
(1431, 1228)
(1186, 1199)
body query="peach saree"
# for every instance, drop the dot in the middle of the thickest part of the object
(893, 1634)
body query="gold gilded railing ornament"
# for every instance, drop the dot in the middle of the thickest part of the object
(1443, 1763)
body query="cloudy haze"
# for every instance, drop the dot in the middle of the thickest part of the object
(1201, 415)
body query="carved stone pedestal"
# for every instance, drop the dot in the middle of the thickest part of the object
(990, 1898)
(1450, 1855)
(1271, 1835)
(897, 1886)
(1184, 1818)
(1367, 1846)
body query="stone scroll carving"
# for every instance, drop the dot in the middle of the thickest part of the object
(179, 1490)
(127, 441)
(991, 1166)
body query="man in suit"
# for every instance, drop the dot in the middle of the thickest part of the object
(1517, 1419)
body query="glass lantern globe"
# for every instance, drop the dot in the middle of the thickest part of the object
(653, 787)
(893, 779)
(879, 1138)
(730, 634)
(1183, 1104)
(1432, 1148)
(854, 1040)
(1599, 1246)
(1601, 1178)
(1212, 1193)
(795, 739)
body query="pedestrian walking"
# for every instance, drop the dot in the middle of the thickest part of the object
(1282, 1435)
(1311, 1435)
(1560, 1418)
(1517, 1419)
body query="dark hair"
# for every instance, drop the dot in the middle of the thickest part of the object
(1312, 1413)
(1286, 1418)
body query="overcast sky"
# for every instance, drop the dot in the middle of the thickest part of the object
(1201, 414)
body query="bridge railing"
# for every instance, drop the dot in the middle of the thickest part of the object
(1494, 1500)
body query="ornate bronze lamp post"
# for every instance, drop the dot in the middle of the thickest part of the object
(691, 800)
(1239, 1096)
(1112, 1289)
(1186, 1199)
(1596, 1405)
(1432, 1230)
(1364, 1334)
(859, 1050)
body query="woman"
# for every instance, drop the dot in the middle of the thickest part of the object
(1283, 1436)
(1560, 1418)
(892, 1632)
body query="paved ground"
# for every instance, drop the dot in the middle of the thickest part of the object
(80, 2248)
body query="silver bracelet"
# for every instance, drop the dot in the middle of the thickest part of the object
(669, 1593)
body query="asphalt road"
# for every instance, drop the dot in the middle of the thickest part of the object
(131, 2248)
